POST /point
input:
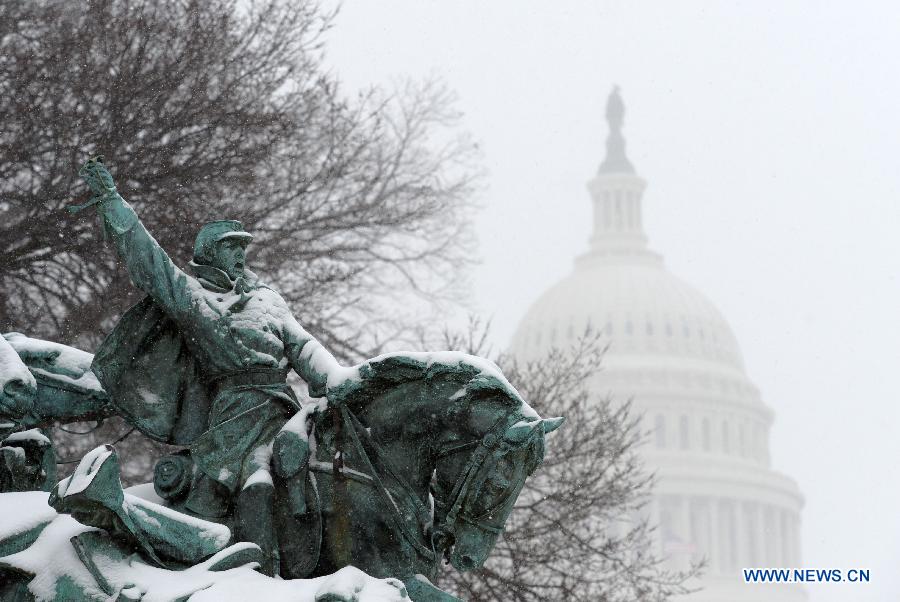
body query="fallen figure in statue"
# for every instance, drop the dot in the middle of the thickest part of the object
(50, 556)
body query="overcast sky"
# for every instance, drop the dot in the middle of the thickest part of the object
(770, 137)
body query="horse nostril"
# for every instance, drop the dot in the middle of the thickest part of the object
(468, 562)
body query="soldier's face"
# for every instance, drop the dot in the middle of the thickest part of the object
(230, 257)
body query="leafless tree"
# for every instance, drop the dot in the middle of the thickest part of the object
(211, 109)
(578, 532)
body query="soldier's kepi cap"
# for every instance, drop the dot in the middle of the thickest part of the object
(213, 232)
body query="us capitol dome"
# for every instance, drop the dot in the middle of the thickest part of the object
(672, 352)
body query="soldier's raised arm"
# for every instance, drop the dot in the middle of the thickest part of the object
(149, 266)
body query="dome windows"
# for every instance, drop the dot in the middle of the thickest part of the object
(684, 432)
(660, 431)
(618, 211)
(666, 316)
(607, 210)
(759, 443)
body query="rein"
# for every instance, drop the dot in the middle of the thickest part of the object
(370, 475)
(351, 425)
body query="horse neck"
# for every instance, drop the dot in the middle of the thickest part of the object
(418, 421)
(406, 423)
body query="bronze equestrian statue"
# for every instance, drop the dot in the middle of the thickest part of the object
(406, 459)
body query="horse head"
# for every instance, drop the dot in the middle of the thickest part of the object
(432, 450)
(58, 378)
(482, 466)
(17, 384)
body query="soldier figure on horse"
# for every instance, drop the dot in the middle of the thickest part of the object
(228, 342)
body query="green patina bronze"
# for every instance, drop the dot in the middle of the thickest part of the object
(407, 459)
(42, 385)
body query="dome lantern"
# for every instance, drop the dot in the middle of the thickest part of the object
(617, 193)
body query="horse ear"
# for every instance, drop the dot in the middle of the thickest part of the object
(520, 431)
(551, 424)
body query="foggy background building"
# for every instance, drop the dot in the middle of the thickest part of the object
(670, 350)
(770, 135)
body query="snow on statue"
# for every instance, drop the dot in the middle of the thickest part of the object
(17, 385)
(409, 457)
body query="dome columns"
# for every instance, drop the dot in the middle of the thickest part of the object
(731, 533)
(618, 222)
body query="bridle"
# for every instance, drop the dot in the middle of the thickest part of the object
(487, 449)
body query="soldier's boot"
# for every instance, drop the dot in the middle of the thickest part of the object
(255, 523)
(290, 462)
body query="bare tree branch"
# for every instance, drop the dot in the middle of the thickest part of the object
(221, 109)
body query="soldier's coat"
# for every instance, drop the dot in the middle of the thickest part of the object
(193, 330)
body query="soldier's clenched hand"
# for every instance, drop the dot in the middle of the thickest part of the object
(97, 177)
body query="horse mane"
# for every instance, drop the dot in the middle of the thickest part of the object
(478, 378)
